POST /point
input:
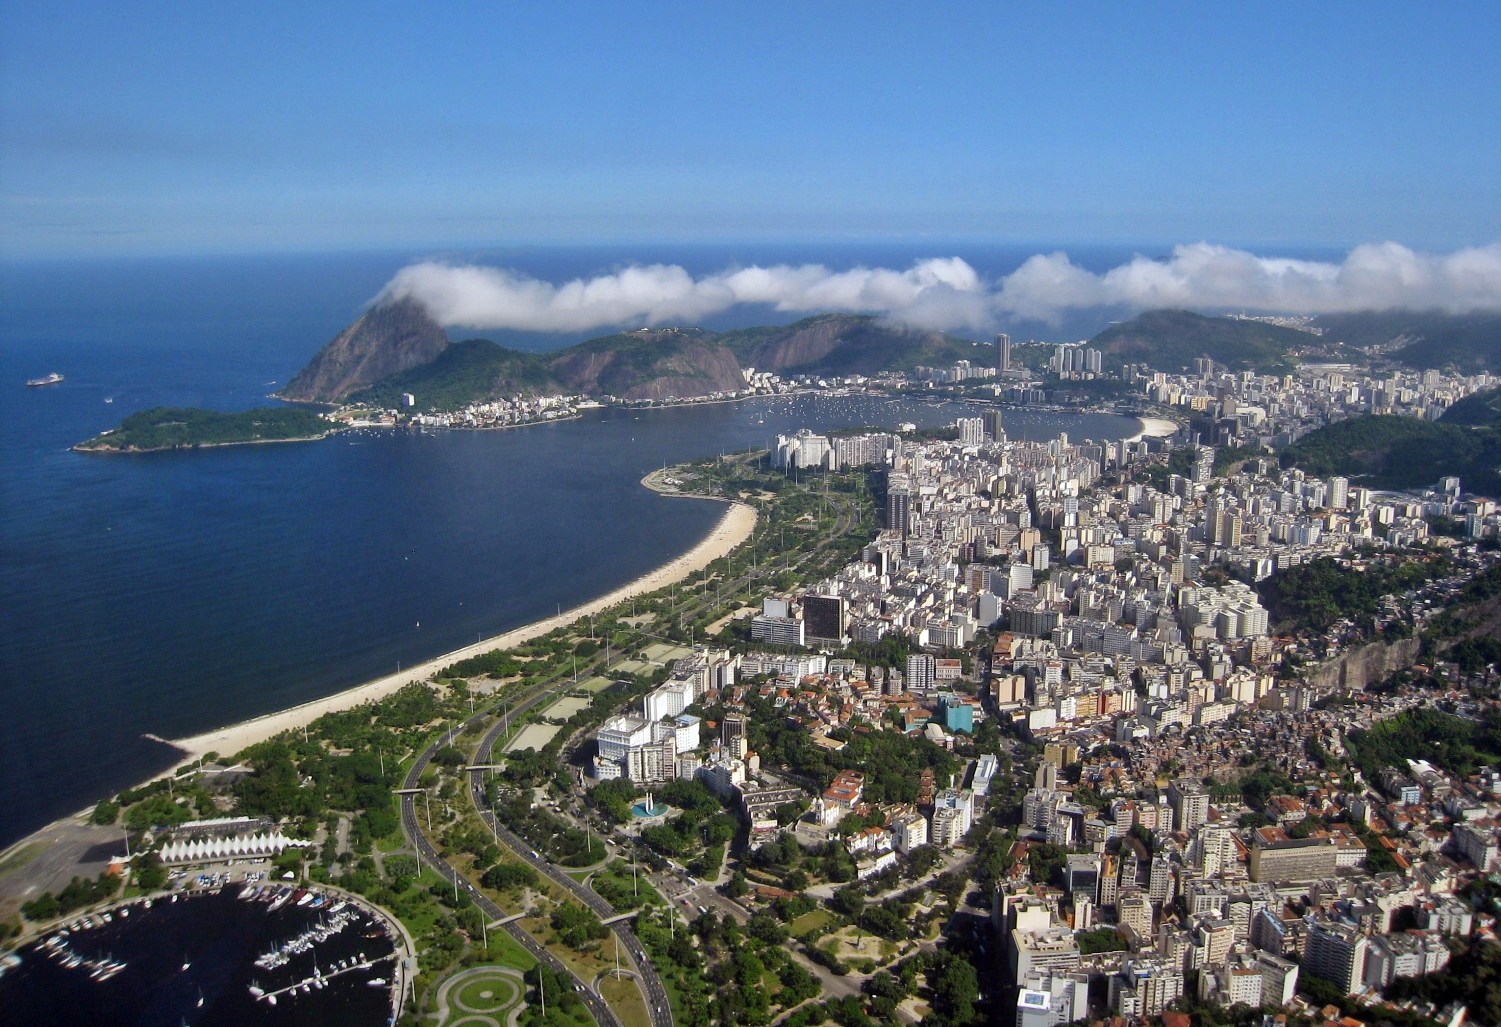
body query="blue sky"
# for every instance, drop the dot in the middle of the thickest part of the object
(193, 127)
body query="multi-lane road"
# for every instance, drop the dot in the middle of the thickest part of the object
(603, 1015)
(633, 954)
(630, 946)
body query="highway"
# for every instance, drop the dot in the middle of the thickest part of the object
(603, 1015)
(632, 954)
(630, 946)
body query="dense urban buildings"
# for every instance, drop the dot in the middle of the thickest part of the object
(1100, 605)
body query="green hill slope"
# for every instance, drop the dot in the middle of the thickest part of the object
(842, 344)
(464, 373)
(650, 363)
(1423, 338)
(1401, 453)
(1170, 340)
(1479, 409)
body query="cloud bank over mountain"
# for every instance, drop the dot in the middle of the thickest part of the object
(947, 293)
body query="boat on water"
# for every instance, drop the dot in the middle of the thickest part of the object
(51, 379)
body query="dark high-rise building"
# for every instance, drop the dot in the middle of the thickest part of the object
(1002, 352)
(823, 618)
(993, 426)
(899, 510)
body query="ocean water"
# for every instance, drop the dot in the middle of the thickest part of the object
(172, 593)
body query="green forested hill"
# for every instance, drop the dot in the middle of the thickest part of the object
(1401, 452)
(464, 373)
(177, 427)
(1481, 408)
(1423, 338)
(1454, 743)
(1170, 340)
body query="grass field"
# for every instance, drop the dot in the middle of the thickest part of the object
(624, 998)
(809, 922)
(20, 856)
(507, 951)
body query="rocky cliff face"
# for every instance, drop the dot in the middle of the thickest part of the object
(805, 344)
(1363, 665)
(385, 340)
(649, 365)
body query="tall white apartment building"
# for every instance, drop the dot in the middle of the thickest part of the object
(953, 816)
(1049, 999)
(668, 700)
(922, 670)
(1336, 952)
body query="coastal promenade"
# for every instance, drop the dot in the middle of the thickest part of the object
(733, 528)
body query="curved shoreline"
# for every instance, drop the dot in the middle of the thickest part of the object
(1154, 428)
(734, 527)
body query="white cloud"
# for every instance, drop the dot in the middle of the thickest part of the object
(947, 293)
(1373, 277)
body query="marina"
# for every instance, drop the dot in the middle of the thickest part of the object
(218, 957)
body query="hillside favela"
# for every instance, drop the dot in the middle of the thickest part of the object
(631, 556)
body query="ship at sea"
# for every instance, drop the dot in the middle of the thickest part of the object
(51, 379)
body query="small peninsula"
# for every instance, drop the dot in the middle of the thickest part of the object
(189, 427)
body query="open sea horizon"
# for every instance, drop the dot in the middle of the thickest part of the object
(173, 593)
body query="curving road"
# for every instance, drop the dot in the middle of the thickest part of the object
(631, 950)
(604, 1016)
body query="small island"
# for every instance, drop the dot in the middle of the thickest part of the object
(189, 427)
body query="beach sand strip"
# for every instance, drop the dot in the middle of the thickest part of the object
(733, 528)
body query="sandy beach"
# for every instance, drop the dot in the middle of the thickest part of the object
(1154, 428)
(733, 528)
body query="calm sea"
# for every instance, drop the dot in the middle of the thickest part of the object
(176, 592)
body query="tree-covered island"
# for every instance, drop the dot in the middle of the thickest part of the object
(189, 427)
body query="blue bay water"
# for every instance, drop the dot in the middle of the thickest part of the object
(176, 592)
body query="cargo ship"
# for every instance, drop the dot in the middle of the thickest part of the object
(51, 379)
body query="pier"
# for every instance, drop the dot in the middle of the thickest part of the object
(319, 979)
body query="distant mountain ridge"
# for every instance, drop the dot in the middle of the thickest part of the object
(397, 349)
(1423, 338)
